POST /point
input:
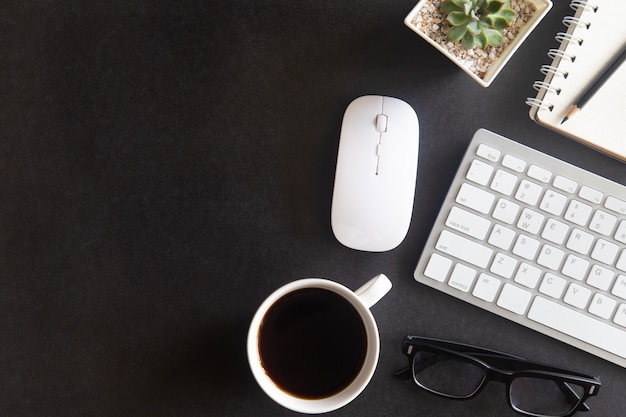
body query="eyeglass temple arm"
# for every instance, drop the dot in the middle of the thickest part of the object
(404, 373)
(567, 390)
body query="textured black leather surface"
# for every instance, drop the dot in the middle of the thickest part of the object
(165, 165)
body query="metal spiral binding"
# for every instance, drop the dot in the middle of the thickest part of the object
(569, 38)
(549, 69)
(542, 85)
(534, 102)
(564, 39)
(570, 21)
(553, 53)
(585, 4)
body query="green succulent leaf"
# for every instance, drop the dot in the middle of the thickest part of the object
(508, 14)
(494, 6)
(458, 19)
(465, 5)
(481, 40)
(494, 37)
(498, 22)
(469, 7)
(456, 5)
(456, 33)
(449, 7)
(474, 27)
(468, 41)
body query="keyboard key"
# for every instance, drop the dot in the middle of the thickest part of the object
(605, 251)
(514, 163)
(577, 295)
(528, 275)
(552, 286)
(578, 212)
(539, 173)
(501, 237)
(550, 257)
(565, 184)
(578, 325)
(530, 221)
(488, 152)
(514, 299)
(603, 222)
(528, 192)
(505, 211)
(553, 203)
(438, 267)
(619, 288)
(475, 198)
(580, 241)
(468, 223)
(526, 247)
(462, 277)
(615, 204)
(620, 316)
(621, 232)
(621, 262)
(503, 265)
(602, 306)
(555, 231)
(503, 182)
(589, 194)
(479, 172)
(486, 288)
(464, 249)
(575, 267)
(600, 277)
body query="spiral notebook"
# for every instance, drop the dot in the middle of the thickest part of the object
(592, 37)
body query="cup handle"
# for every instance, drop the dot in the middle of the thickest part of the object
(373, 290)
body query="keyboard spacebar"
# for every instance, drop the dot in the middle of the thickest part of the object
(579, 326)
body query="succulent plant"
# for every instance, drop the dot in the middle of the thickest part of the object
(477, 23)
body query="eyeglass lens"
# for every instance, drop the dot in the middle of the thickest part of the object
(539, 396)
(456, 377)
(447, 375)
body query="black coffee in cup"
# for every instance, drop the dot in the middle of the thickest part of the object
(312, 343)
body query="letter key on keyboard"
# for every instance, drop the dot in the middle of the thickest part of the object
(535, 240)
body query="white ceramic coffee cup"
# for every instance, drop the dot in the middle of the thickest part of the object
(361, 299)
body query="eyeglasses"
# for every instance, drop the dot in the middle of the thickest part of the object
(460, 371)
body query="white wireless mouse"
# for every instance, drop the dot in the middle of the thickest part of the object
(376, 172)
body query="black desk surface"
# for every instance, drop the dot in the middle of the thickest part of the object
(165, 165)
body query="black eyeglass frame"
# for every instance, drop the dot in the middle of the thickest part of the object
(499, 366)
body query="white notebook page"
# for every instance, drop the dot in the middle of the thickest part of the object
(600, 123)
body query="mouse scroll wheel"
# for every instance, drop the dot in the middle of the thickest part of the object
(381, 122)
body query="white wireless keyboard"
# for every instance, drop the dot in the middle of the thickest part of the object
(535, 240)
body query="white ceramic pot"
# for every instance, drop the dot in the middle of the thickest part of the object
(484, 78)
